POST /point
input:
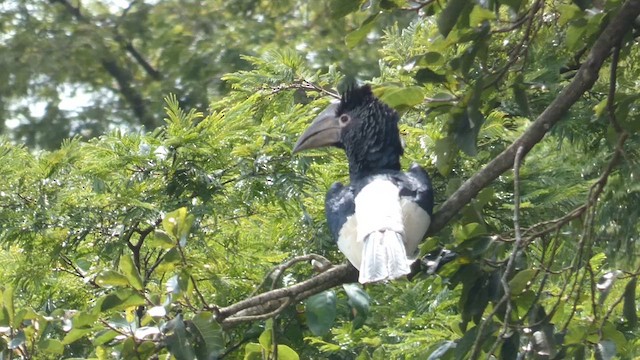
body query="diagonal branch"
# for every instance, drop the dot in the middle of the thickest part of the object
(583, 81)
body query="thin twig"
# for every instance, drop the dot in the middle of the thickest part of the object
(611, 107)
(419, 6)
(278, 270)
(515, 24)
(306, 86)
(506, 298)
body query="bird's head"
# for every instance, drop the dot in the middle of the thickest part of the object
(362, 125)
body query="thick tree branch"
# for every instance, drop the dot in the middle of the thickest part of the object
(272, 300)
(148, 68)
(583, 81)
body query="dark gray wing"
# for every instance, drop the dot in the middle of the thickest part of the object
(416, 185)
(339, 205)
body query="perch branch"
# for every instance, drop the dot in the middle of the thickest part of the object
(271, 300)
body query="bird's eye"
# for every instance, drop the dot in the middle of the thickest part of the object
(344, 119)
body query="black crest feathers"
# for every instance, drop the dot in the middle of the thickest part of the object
(356, 97)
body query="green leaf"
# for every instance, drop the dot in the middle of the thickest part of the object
(209, 336)
(430, 58)
(611, 333)
(129, 269)
(524, 301)
(392, 4)
(468, 231)
(479, 15)
(75, 334)
(129, 350)
(178, 341)
(475, 299)
(353, 38)
(287, 353)
(253, 351)
(169, 261)
(568, 12)
(449, 16)
(161, 240)
(468, 122)
(145, 350)
(359, 302)
(83, 320)
(5, 319)
(7, 298)
(597, 261)
(83, 264)
(342, 8)
(575, 35)
(629, 306)
(521, 280)
(466, 130)
(513, 4)
(426, 75)
(624, 105)
(266, 338)
(510, 346)
(120, 300)
(474, 246)
(111, 278)
(104, 336)
(51, 346)
(401, 96)
(466, 343)
(583, 4)
(520, 95)
(178, 223)
(323, 345)
(321, 312)
(445, 154)
(24, 314)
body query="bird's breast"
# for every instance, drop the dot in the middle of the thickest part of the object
(379, 207)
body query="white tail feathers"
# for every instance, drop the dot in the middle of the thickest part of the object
(383, 257)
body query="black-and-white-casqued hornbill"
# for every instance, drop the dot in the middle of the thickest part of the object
(379, 219)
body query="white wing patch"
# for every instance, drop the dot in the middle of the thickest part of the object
(416, 223)
(347, 243)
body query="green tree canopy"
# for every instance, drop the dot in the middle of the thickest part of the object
(202, 237)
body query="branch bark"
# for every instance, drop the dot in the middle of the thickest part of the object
(272, 300)
(585, 78)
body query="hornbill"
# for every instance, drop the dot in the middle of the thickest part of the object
(379, 219)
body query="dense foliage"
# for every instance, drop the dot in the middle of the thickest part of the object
(141, 244)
